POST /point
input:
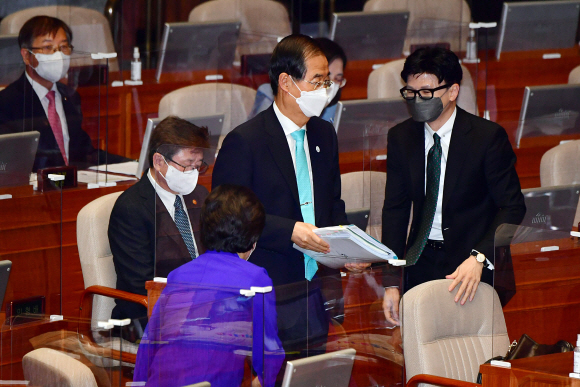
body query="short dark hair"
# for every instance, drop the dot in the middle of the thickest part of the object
(176, 131)
(441, 62)
(232, 219)
(290, 55)
(40, 26)
(331, 50)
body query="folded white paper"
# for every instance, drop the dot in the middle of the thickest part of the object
(348, 244)
(126, 168)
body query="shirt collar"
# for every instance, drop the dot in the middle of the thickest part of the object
(287, 124)
(164, 195)
(40, 90)
(446, 128)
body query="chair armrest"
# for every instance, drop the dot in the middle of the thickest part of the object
(438, 380)
(86, 304)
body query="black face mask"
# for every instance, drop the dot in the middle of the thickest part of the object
(425, 110)
(336, 98)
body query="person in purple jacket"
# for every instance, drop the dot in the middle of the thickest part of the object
(201, 328)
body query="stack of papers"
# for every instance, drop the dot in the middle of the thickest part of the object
(349, 244)
(127, 168)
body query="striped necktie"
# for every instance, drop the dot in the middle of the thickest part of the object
(305, 195)
(430, 204)
(182, 223)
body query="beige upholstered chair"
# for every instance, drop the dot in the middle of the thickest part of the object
(263, 21)
(386, 81)
(91, 30)
(574, 77)
(234, 101)
(442, 338)
(49, 368)
(365, 189)
(98, 268)
(430, 21)
(561, 166)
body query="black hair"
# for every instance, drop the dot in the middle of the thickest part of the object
(40, 26)
(232, 219)
(289, 56)
(441, 62)
(331, 50)
(176, 131)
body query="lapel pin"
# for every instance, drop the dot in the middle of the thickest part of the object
(194, 201)
(317, 149)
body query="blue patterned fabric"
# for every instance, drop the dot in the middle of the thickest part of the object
(182, 223)
(305, 195)
(431, 193)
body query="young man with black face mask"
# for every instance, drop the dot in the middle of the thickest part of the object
(456, 171)
(154, 226)
(38, 101)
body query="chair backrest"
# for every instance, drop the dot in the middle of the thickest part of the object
(233, 101)
(95, 252)
(430, 21)
(386, 81)
(91, 30)
(365, 189)
(561, 166)
(263, 21)
(444, 338)
(574, 77)
(49, 368)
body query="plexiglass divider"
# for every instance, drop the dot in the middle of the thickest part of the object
(536, 274)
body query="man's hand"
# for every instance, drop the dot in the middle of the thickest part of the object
(391, 305)
(304, 237)
(469, 274)
(356, 267)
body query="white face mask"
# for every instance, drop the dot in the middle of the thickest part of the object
(181, 182)
(312, 103)
(52, 67)
(331, 91)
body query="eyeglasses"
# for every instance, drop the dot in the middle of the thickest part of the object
(66, 49)
(426, 94)
(201, 168)
(325, 84)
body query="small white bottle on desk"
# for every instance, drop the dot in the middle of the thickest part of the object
(577, 356)
(136, 65)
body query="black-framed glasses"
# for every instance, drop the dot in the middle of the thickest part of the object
(426, 94)
(202, 168)
(66, 49)
(325, 84)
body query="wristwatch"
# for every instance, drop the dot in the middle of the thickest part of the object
(479, 257)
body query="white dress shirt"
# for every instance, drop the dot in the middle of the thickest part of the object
(168, 200)
(41, 92)
(289, 126)
(445, 134)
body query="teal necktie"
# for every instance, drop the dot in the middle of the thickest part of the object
(182, 223)
(431, 193)
(305, 195)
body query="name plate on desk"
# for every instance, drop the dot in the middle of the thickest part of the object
(46, 184)
(26, 306)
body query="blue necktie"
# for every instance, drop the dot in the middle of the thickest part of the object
(430, 204)
(182, 223)
(305, 195)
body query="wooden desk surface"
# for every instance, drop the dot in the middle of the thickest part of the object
(548, 370)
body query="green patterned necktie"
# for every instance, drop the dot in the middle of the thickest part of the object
(431, 193)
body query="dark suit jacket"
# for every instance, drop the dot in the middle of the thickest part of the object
(256, 155)
(145, 241)
(481, 188)
(21, 111)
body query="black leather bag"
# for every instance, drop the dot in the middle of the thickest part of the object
(527, 347)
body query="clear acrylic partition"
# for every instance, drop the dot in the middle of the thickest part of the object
(536, 277)
(45, 349)
(212, 334)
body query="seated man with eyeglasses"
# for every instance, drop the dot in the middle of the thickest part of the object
(154, 226)
(37, 101)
